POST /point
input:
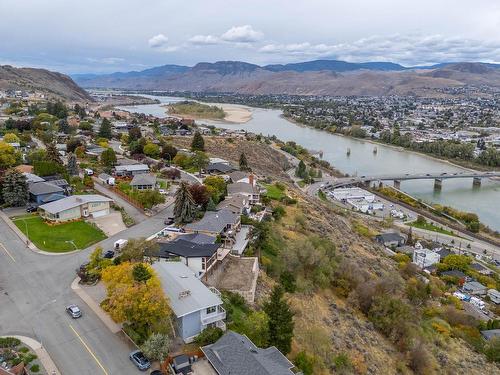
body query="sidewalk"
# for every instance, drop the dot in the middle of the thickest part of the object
(42, 354)
(112, 326)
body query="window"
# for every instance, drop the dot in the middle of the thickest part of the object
(211, 310)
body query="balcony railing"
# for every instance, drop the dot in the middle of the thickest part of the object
(220, 314)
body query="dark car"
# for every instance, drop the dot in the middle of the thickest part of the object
(156, 372)
(74, 311)
(140, 360)
(31, 208)
(109, 254)
(169, 221)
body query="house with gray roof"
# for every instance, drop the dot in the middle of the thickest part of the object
(131, 169)
(490, 333)
(390, 239)
(237, 203)
(475, 288)
(43, 192)
(248, 189)
(195, 306)
(236, 354)
(223, 223)
(75, 207)
(144, 181)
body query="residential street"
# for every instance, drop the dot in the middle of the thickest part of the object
(34, 290)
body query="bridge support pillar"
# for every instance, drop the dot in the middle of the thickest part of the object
(438, 183)
(476, 181)
(397, 184)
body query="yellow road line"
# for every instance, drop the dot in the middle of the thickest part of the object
(90, 351)
(7, 251)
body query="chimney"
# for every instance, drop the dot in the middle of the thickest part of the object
(251, 179)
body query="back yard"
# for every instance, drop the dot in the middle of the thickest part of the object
(58, 238)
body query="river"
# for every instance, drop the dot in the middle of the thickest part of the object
(457, 193)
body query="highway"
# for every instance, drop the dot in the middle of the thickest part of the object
(34, 290)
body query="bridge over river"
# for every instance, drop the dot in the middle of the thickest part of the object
(397, 178)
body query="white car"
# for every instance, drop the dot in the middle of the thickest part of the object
(162, 191)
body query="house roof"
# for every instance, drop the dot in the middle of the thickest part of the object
(220, 167)
(237, 175)
(474, 285)
(131, 168)
(143, 179)
(236, 354)
(199, 238)
(241, 187)
(30, 177)
(490, 333)
(187, 249)
(60, 182)
(453, 273)
(185, 292)
(214, 221)
(42, 187)
(478, 267)
(237, 201)
(71, 202)
(104, 176)
(443, 252)
(389, 237)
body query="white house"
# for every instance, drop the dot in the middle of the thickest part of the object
(494, 296)
(425, 258)
(76, 207)
(195, 306)
(343, 194)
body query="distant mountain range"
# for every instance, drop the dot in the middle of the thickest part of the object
(318, 77)
(53, 84)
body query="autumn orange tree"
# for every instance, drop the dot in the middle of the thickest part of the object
(142, 305)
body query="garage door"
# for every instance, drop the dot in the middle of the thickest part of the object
(100, 213)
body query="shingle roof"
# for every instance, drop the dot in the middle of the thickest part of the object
(71, 202)
(236, 354)
(237, 201)
(185, 292)
(388, 237)
(214, 221)
(474, 286)
(241, 187)
(187, 249)
(143, 179)
(199, 238)
(237, 175)
(219, 167)
(32, 178)
(42, 187)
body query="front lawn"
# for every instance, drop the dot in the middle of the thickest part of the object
(275, 191)
(59, 238)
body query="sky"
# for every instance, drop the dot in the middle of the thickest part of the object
(100, 36)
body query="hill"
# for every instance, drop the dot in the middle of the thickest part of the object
(319, 77)
(52, 83)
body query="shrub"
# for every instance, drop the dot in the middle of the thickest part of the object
(305, 363)
(209, 336)
(9, 342)
(492, 349)
(421, 361)
(23, 350)
(342, 363)
(35, 368)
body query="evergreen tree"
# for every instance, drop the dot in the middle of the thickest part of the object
(108, 157)
(72, 166)
(105, 129)
(53, 154)
(243, 162)
(211, 205)
(64, 126)
(301, 170)
(200, 160)
(280, 321)
(184, 208)
(134, 134)
(198, 143)
(15, 188)
(141, 273)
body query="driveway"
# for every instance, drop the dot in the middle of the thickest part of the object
(110, 224)
(133, 211)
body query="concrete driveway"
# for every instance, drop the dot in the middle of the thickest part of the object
(110, 224)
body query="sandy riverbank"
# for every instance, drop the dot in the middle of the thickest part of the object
(235, 114)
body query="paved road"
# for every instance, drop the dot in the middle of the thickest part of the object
(35, 288)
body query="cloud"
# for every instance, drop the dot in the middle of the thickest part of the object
(242, 34)
(158, 41)
(106, 60)
(405, 49)
(204, 40)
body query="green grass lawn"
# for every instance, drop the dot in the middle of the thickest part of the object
(432, 227)
(53, 238)
(274, 192)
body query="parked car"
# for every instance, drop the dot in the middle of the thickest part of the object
(174, 229)
(89, 172)
(156, 372)
(74, 311)
(169, 221)
(31, 208)
(140, 360)
(109, 254)
(162, 191)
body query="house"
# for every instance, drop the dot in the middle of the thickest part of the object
(455, 274)
(250, 190)
(94, 150)
(18, 369)
(236, 354)
(343, 194)
(76, 207)
(481, 269)
(475, 288)
(223, 223)
(30, 178)
(238, 176)
(494, 296)
(144, 181)
(238, 204)
(390, 239)
(195, 306)
(490, 333)
(197, 251)
(43, 192)
(219, 168)
(131, 170)
(106, 179)
(424, 258)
